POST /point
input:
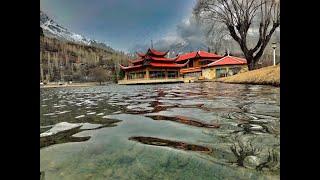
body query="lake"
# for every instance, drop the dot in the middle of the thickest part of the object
(167, 131)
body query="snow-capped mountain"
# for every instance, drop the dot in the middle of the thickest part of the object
(52, 29)
(175, 47)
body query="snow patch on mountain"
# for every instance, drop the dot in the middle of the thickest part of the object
(53, 29)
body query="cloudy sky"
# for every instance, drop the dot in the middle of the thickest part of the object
(122, 24)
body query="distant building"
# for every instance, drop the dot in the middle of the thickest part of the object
(193, 70)
(152, 67)
(226, 66)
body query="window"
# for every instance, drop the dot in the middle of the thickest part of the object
(234, 70)
(157, 74)
(204, 62)
(172, 74)
(221, 72)
(130, 75)
(136, 75)
(140, 75)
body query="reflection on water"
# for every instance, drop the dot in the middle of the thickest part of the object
(168, 143)
(118, 132)
(183, 120)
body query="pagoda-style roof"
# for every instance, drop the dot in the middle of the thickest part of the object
(153, 58)
(152, 52)
(228, 60)
(198, 54)
(130, 67)
(135, 61)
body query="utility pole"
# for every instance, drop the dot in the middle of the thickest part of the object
(274, 46)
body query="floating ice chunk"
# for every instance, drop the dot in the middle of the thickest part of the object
(63, 112)
(90, 113)
(49, 114)
(256, 127)
(57, 106)
(89, 126)
(117, 112)
(44, 105)
(100, 114)
(59, 127)
(107, 116)
(81, 116)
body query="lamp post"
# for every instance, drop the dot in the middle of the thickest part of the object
(274, 46)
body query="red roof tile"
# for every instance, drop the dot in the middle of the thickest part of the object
(228, 60)
(130, 67)
(136, 60)
(200, 54)
(205, 54)
(141, 54)
(162, 58)
(167, 65)
(157, 53)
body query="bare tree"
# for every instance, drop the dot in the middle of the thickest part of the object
(99, 74)
(241, 15)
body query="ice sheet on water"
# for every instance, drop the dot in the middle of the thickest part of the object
(81, 116)
(140, 107)
(58, 106)
(63, 126)
(117, 112)
(62, 112)
(49, 114)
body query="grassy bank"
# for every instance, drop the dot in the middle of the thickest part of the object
(264, 76)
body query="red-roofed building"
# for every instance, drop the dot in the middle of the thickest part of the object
(152, 67)
(197, 60)
(226, 66)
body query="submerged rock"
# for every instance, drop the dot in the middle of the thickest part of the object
(251, 162)
(183, 120)
(174, 144)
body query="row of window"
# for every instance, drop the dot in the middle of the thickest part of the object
(222, 72)
(152, 75)
(136, 75)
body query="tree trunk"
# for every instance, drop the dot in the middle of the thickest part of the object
(250, 61)
(251, 66)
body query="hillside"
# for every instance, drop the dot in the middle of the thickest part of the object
(268, 76)
(61, 60)
(65, 55)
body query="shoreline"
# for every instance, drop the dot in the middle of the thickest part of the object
(264, 76)
(251, 83)
(56, 85)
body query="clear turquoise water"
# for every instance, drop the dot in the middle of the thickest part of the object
(108, 154)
